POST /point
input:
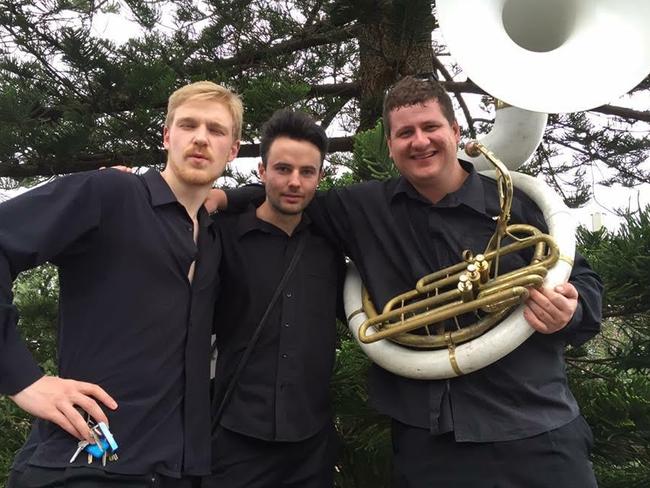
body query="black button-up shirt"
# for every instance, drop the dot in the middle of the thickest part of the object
(283, 392)
(395, 236)
(130, 320)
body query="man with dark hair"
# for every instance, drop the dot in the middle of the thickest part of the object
(276, 429)
(515, 422)
(137, 259)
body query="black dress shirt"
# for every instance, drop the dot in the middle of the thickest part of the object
(395, 236)
(130, 320)
(283, 392)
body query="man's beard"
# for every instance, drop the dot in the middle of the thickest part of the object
(277, 206)
(195, 176)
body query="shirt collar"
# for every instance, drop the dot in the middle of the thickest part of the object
(470, 194)
(249, 222)
(162, 194)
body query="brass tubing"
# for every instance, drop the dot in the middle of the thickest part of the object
(458, 336)
(443, 313)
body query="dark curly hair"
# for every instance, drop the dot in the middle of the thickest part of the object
(411, 90)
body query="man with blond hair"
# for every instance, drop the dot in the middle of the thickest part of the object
(137, 259)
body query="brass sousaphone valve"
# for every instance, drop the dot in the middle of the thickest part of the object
(473, 286)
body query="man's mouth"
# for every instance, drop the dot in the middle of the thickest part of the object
(426, 155)
(198, 156)
(291, 197)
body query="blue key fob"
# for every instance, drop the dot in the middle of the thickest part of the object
(95, 451)
(106, 440)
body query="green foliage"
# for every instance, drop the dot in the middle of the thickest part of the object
(365, 452)
(371, 158)
(611, 383)
(14, 425)
(623, 260)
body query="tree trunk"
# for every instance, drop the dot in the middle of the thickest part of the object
(395, 40)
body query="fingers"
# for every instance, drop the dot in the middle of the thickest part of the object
(216, 200)
(568, 290)
(72, 417)
(97, 392)
(119, 167)
(54, 399)
(549, 310)
(86, 400)
(62, 421)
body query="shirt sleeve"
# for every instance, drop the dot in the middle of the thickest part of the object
(240, 198)
(587, 317)
(36, 227)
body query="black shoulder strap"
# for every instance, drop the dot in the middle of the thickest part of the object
(251, 344)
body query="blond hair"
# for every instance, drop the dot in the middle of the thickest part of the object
(207, 90)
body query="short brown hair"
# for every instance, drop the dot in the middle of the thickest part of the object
(413, 91)
(207, 90)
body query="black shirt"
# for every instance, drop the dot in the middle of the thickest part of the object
(129, 321)
(283, 392)
(395, 236)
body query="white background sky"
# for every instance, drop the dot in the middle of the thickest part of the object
(606, 200)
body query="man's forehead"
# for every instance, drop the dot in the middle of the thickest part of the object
(295, 152)
(203, 109)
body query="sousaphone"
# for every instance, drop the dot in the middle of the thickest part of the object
(540, 57)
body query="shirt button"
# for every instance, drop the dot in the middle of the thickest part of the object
(289, 294)
(284, 356)
(286, 324)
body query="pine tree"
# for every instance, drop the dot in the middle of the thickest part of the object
(71, 100)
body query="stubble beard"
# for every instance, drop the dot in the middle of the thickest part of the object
(198, 177)
(277, 206)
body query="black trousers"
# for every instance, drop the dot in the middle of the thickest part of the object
(240, 461)
(82, 477)
(555, 459)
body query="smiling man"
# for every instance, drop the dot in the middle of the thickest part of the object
(276, 431)
(514, 423)
(137, 259)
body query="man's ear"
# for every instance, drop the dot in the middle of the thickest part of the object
(261, 170)
(234, 150)
(456, 128)
(390, 151)
(165, 137)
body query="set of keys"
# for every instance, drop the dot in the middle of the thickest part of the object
(103, 446)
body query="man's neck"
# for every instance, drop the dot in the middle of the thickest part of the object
(285, 222)
(437, 190)
(189, 196)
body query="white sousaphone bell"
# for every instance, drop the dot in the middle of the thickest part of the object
(539, 57)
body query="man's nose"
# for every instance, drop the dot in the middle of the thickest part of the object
(294, 178)
(420, 138)
(201, 135)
